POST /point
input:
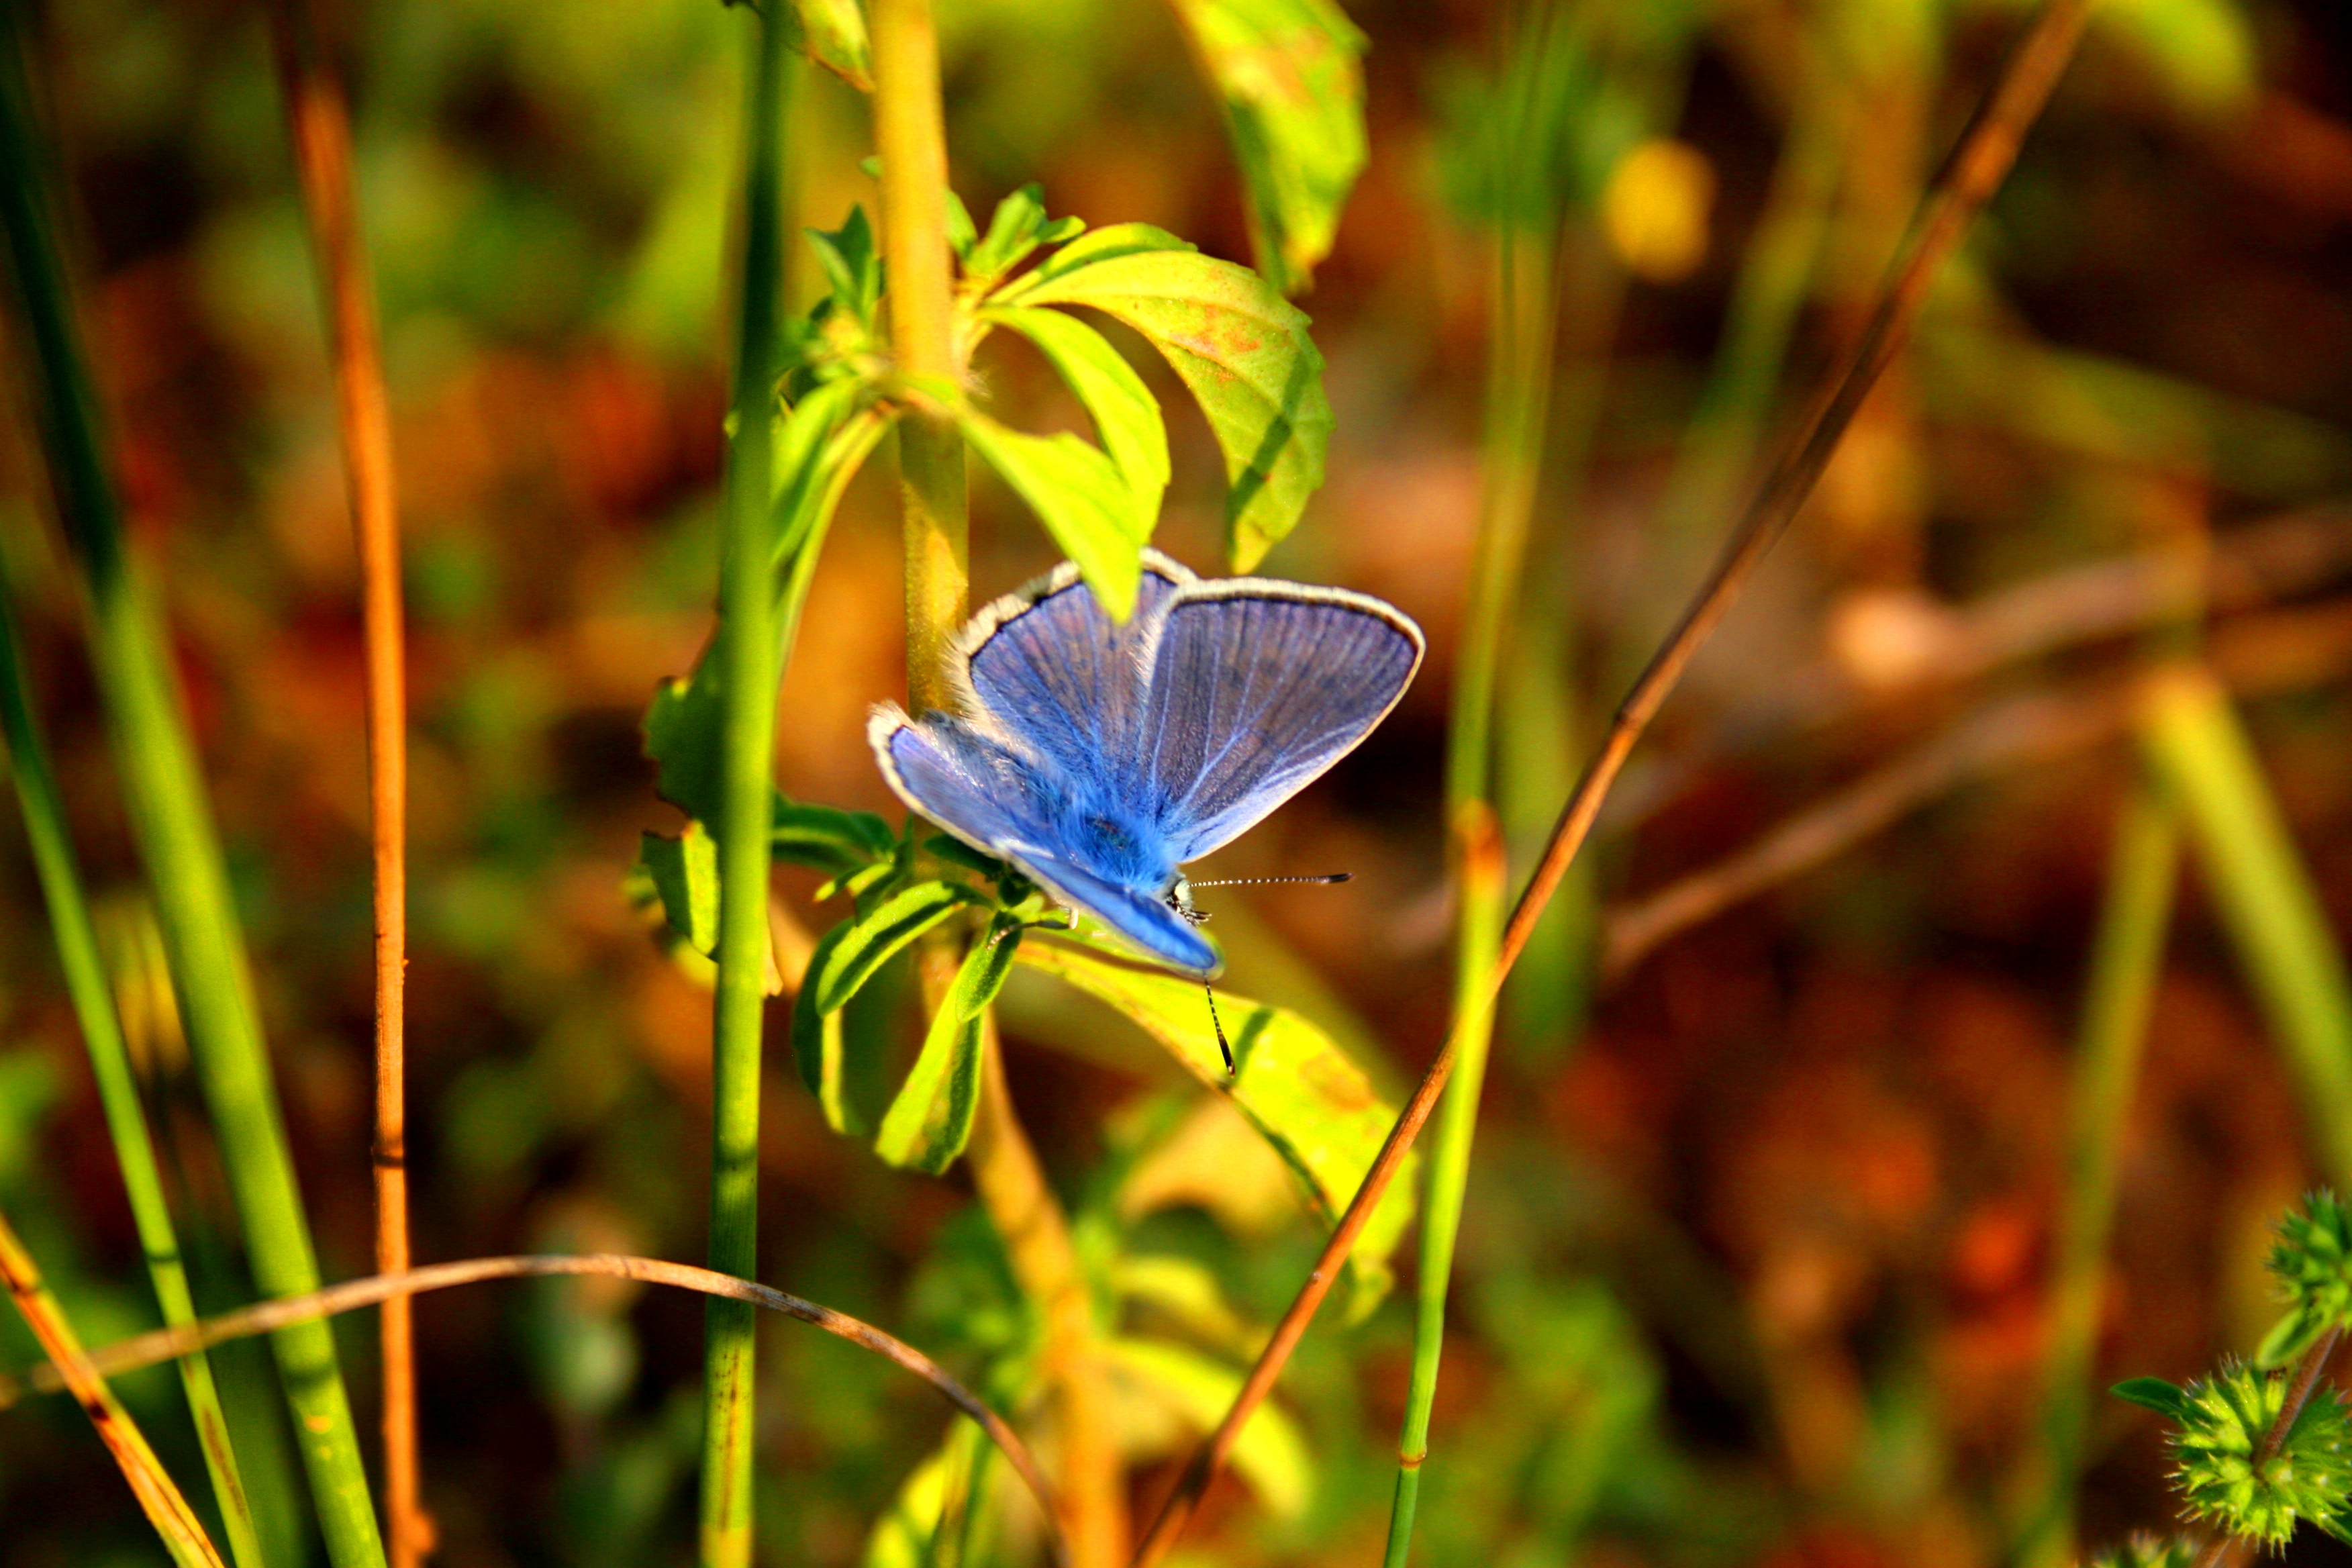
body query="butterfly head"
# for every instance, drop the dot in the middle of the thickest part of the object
(1179, 899)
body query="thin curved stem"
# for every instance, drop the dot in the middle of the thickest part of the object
(267, 1316)
(1967, 182)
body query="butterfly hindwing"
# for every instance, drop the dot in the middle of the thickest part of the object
(1256, 688)
(1014, 807)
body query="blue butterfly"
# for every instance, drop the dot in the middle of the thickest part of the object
(1097, 758)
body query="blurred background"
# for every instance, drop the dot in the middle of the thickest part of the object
(1760, 1256)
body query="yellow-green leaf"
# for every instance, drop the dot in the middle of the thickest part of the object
(1080, 495)
(1300, 1091)
(1294, 99)
(1241, 347)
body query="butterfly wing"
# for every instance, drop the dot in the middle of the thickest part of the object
(1003, 802)
(1046, 668)
(1256, 687)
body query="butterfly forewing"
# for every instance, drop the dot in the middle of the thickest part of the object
(1054, 673)
(1257, 688)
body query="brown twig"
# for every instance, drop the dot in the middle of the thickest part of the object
(265, 1317)
(2258, 654)
(2307, 1373)
(1976, 169)
(319, 122)
(166, 1507)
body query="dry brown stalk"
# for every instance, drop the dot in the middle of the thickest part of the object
(319, 122)
(166, 1507)
(1975, 171)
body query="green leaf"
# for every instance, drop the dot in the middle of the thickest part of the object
(833, 33)
(1080, 495)
(2154, 1393)
(853, 268)
(930, 1119)
(1091, 249)
(2205, 50)
(829, 838)
(1301, 1092)
(2288, 1339)
(1161, 1379)
(1018, 227)
(1293, 98)
(955, 851)
(1126, 415)
(961, 233)
(839, 1050)
(685, 875)
(1241, 347)
(867, 940)
(819, 444)
(944, 1513)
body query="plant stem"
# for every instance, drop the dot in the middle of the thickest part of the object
(1011, 1185)
(746, 613)
(170, 814)
(1526, 297)
(2264, 896)
(1976, 169)
(1479, 889)
(908, 130)
(320, 121)
(76, 936)
(165, 1507)
(2126, 963)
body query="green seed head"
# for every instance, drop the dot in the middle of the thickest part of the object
(2143, 1551)
(2220, 1480)
(2313, 1262)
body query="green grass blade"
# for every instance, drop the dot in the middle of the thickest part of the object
(110, 1061)
(2266, 897)
(2126, 962)
(1478, 932)
(748, 617)
(170, 813)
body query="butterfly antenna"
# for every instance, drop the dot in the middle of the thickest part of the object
(1219, 1024)
(1327, 879)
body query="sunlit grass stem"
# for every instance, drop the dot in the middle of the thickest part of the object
(747, 608)
(75, 935)
(2264, 896)
(320, 123)
(172, 818)
(2126, 963)
(1481, 888)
